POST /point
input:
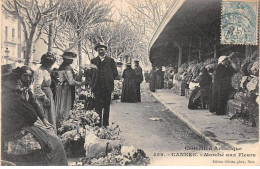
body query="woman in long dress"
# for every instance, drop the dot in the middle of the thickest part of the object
(222, 83)
(30, 137)
(42, 90)
(129, 87)
(159, 78)
(205, 81)
(153, 79)
(65, 95)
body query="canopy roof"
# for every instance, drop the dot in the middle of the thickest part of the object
(190, 23)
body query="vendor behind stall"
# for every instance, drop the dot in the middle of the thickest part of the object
(27, 136)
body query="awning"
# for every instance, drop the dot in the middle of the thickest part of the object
(185, 22)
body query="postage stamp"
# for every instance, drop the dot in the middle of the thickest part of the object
(239, 22)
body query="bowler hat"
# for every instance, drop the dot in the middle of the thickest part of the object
(69, 55)
(100, 44)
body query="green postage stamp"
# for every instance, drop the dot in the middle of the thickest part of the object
(239, 22)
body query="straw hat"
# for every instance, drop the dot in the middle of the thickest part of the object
(69, 55)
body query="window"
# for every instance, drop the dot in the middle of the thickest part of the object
(13, 33)
(6, 33)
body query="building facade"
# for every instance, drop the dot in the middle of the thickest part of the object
(12, 40)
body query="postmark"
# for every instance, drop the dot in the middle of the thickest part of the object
(239, 22)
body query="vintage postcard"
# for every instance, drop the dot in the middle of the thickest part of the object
(130, 83)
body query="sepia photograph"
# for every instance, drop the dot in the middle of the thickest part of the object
(130, 83)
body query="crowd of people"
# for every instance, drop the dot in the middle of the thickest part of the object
(35, 103)
(156, 78)
(213, 86)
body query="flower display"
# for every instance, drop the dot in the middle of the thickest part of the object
(243, 96)
(67, 125)
(244, 81)
(126, 156)
(108, 133)
(183, 68)
(211, 61)
(255, 68)
(116, 94)
(248, 62)
(252, 85)
(236, 80)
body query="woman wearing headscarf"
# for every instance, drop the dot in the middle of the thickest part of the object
(65, 95)
(129, 87)
(222, 83)
(27, 136)
(42, 88)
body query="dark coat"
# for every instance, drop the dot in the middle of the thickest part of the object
(129, 86)
(152, 80)
(139, 74)
(17, 112)
(110, 72)
(222, 88)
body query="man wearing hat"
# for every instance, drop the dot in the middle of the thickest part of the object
(102, 90)
(139, 79)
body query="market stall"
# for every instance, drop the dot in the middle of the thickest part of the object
(189, 39)
(94, 145)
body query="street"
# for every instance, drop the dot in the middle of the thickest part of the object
(166, 135)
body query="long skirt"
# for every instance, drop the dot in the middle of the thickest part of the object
(51, 153)
(194, 100)
(212, 99)
(222, 96)
(152, 84)
(64, 102)
(138, 92)
(49, 111)
(129, 91)
(159, 82)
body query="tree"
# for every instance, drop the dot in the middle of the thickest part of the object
(79, 18)
(118, 36)
(145, 17)
(33, 16)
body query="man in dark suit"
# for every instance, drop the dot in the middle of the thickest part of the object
(107, 73)
(139, 79)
